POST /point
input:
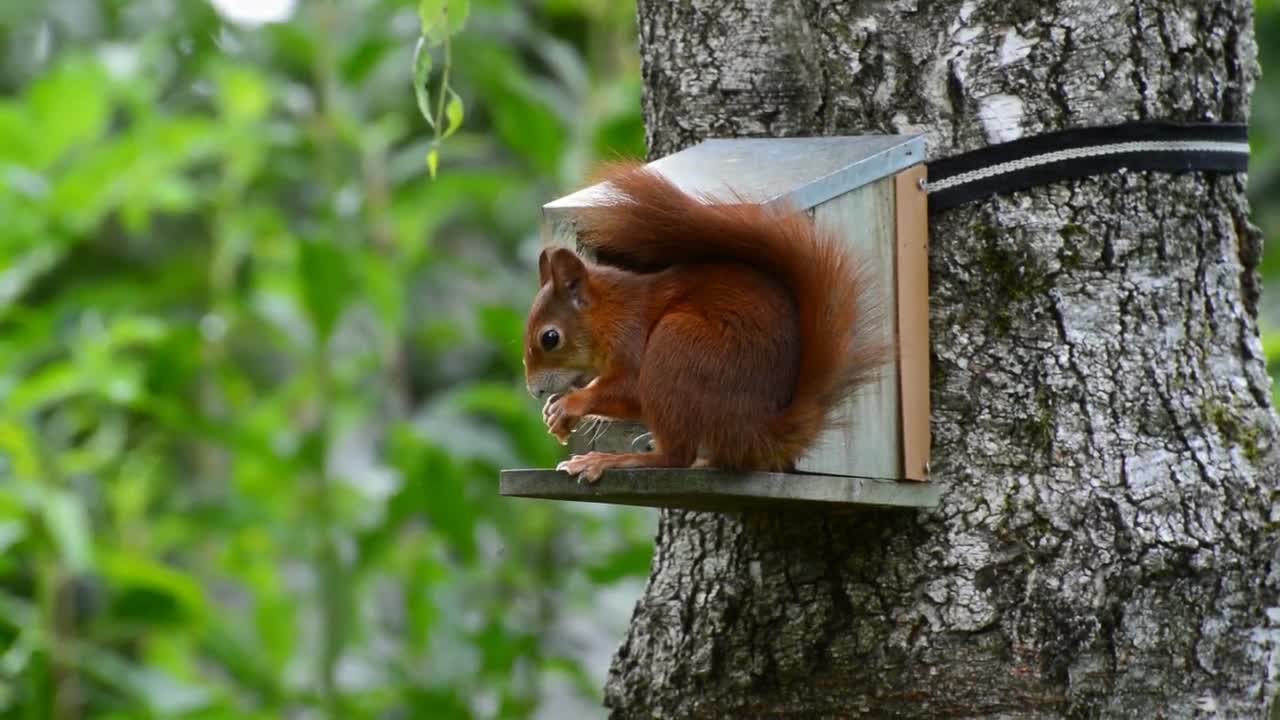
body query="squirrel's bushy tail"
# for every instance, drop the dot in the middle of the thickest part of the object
(647, 223)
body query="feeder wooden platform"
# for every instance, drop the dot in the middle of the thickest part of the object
(715, 490)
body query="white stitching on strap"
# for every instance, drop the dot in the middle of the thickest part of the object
(1084, 152)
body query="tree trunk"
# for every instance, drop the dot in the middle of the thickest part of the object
(1106, 544)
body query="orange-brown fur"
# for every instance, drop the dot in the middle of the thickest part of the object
(731, 330)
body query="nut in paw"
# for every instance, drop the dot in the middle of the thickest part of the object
(560, 422)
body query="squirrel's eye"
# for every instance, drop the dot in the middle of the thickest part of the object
(550, 339)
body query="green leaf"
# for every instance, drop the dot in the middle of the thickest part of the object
(433, 161)
(1271, 345)
(92, 187)
(148, 591)
(421, 76)
(503, 325)
(68, 524)
(26, 270)
(385, 289)
(364, 58)
(136, 330)
(18, 451)
(442, 17)
(432, 486)
(453, 112)
(621, 136)
(328, 283)
(52, 383)
(71, 107)
(438, 704)
(522, 119)
(243, 93)
(19, 139)
(430, 14)
(238, 648)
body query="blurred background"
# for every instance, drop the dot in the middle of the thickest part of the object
(258, 371)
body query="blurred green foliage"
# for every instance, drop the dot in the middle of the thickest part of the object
(258, 372)
(1264, 176)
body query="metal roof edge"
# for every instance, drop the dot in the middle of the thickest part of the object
(909, 151)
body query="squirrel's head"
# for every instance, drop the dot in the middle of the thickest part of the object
(558, 351)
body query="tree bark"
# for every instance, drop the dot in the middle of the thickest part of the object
(1106, 544)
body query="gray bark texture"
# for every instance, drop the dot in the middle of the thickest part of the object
(1106, 545)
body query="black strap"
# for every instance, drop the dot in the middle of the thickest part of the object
(1081, 152)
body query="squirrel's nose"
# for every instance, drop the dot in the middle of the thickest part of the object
(537, 392)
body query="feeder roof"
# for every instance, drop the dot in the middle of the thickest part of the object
(799, 172)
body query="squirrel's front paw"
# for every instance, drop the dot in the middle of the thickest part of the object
(588, 467)
(560, 421)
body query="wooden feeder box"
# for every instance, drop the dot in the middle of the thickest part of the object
(868, 189)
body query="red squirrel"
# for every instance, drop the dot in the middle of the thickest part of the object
(732, 331)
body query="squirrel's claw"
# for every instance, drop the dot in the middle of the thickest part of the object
(574, 472)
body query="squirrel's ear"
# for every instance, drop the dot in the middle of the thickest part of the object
(544, 267)
(569, 274)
